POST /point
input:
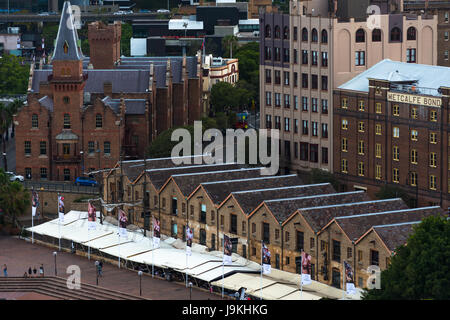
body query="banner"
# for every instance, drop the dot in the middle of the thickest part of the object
(61, 208)
(156, 232)
(306, 268)
(123, 221)
(34, 202)
(92, 216)
(189, 236)
(227, 249)
(265, 259)
(349, 281)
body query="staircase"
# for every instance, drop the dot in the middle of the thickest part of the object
(57, 287)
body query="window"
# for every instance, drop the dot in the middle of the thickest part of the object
(361, 169)
(433, 115)
(286, 124)
(395, 175)
(376, 35)
(433, 137)
(377, 172)
(268, 76)
(277, 34)
(91, 147)
(378, 129)
(296, 150)
(287, 101)
(107, 147)
(446, 17)
(305, 127)
(361, 126)
(413, 179)
(324, 83)
(314, 58)
(285, 33)
(360, 58)
(266, 232)
(314, 83)
(314, 125)
(344, 103)
(344, 124)
(324, 59)
(324, 38)
(324, 106)
(411, 33)
(314, 35)
(268, 98)
(374, 258)
(304, 80)
(43, 148)
(34, 121)
(277, 77)
(324, 155)
(304, 56)
(324, 130)
(446, 35)
(286, 57)
(295, 79)
(66, 121)
(286, 236)
(277, 234)
(277, 122)
(268, 121)
(277, 99)
(361, 105)
(295, 33)
(414, 134)
(268, 53)
(295, 125)
(300, 241)
(395, 153)
(361, 147)
(286, 78)
(336, 251)
(268, 31)
(433, 159)
(277, 55)
(295, 102)
(98, 121)
(413, 156)
(411, 55)
(395, 110)
(295, 54)
(66, 173)
(304, 103)
(413, 113)
(28, 148)
(233, 223)
(349, 252)
(43, 172)
(66, 100)
(378, 150)
(344, 144)
(304, 34)
(396, 132)
(446, 55)
(304, 147)
(360, 35)
(395, 34)
(378, 107)
(344, 165)
(432, 182)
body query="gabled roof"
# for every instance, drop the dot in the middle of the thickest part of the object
(394, 235)
(66, 47)
(46, 102)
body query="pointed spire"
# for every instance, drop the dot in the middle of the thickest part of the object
(67, 43)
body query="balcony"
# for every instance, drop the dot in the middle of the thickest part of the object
(67, 158)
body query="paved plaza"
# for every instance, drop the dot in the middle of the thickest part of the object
(19, 255)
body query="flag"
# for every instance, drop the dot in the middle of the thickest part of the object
(227, 249)
(266, 267)
(189, 236)
(156, 232)
(123, 221)
(61, 208)
(92, 216)
(349, 281)
(34, 202)
(306, 268)
(203, 43)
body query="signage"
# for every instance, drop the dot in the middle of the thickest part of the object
(414, 99)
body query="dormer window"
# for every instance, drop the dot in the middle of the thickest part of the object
(66, 47)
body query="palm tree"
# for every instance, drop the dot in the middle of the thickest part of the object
(14, 199)
(15, 106)
(5, 121)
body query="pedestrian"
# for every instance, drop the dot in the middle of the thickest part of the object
(100, 268)
(5, 270)
(41, 270)
(25, 275)
(29, 271)
(34, 271)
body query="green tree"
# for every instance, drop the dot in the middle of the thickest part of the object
(323, 176)
(14, 199)
(223, 96)
(421, 269)
(389, 192)
(49, 33)
(14, 107)
(248, 56)
(229, 45)
(5, 122)
(14, 75)
(127, 34)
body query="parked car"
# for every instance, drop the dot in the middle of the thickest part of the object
(119, 13)
(163, 11)
(14, 177)
(85, 181)
(43, 14)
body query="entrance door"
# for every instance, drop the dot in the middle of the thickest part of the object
(213, 242)
(336, 278)
(174, 230)
(203, 237)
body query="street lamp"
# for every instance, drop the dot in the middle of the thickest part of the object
(82, 162)
(4, 161)
(96, 269)
(140, 282)
(190, 290)
(55, 254)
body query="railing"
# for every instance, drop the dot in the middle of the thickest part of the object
(59, 186)
(412, 89)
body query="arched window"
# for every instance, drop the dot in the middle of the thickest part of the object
(66, 121)
(34, 121)
(66, 100)
(411, 33)
(98, 121)
(376, 35)
(268, 32)
(286, 33)
(314, 35)
(304, 34)
(395, 34)
(324, 36)
(277, 32)
(360, 35)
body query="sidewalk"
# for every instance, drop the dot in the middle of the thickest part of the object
(19, 255)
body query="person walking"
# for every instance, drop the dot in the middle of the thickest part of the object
(5, 270)
(34, 271)
(41, 270)
(30, 271)
(100, 268)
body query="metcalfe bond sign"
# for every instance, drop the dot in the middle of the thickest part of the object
(414, 99)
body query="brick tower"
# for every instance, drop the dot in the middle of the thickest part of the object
(104, 41)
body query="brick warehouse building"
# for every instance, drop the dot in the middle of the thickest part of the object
(83, 112)
(391, 128)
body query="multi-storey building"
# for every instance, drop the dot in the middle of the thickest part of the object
(303, 56)
(391, 127)
(83, 113)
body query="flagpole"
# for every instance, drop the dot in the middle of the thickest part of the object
(223, 263)
(59, 223)
(153, 253)
(262, 243)
(343, 280)
(118, 225)
(89, 247)
(301, 273)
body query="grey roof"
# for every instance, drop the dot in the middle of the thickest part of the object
(67, 35)
(129, 81)
(132, 106)
(67, 135)
(427, 76)
(47, 103)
